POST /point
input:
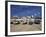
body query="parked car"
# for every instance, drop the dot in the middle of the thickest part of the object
(16, 22)
(37, 20)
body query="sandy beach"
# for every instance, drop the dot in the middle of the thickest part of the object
(25, 27)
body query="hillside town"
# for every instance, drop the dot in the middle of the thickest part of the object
(25, 20)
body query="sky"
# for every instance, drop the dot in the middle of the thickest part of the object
(23, 10)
